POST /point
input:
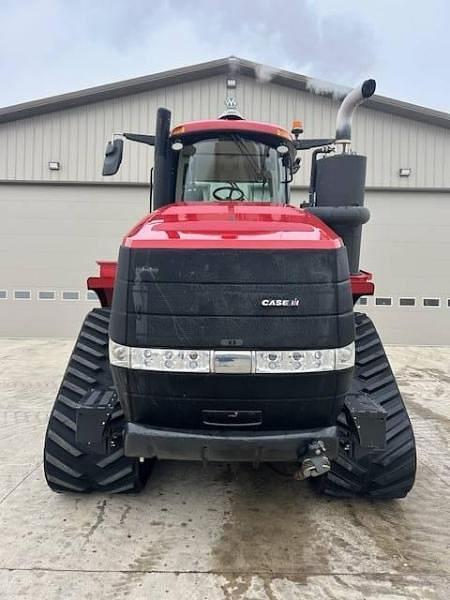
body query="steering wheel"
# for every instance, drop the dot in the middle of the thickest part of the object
(231, 190)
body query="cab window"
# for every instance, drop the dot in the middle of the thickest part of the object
(230, 168)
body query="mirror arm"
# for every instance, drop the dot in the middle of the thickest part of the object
(141, 138)
(305, 144)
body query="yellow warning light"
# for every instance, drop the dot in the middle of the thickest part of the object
(297, 128)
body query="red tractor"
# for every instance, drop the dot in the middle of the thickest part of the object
(227, 330)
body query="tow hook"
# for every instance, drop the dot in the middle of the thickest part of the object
(314, 462)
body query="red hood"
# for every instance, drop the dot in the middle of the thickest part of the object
(231, 225)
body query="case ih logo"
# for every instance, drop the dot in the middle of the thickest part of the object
(280, 302)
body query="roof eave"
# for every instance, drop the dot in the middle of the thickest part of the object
(202, 71)
(112, 90)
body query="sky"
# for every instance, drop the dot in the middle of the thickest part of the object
(49, 47)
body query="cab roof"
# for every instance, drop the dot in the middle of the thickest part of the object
(232, 125)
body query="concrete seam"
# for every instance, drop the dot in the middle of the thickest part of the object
(19, 484)
(274, 574)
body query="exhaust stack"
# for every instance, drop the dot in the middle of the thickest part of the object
(338, 181)
(349, 104)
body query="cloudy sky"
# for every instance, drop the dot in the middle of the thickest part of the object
(49, 47)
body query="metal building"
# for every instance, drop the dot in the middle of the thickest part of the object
(58, 214)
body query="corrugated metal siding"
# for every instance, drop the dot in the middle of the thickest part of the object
(76, 137)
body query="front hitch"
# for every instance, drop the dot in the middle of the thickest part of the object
(314, 463)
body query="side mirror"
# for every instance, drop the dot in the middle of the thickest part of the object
(113, 157)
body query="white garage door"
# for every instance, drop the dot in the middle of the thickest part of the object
(406, 244)
(50, 238)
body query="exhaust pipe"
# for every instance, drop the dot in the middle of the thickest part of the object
(345, 114)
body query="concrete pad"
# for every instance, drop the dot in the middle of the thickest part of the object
(423, 375)
(217, 531)
(23, 436)
(53, 585)
(31, 371)
(195, 519)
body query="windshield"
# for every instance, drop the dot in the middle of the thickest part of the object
(230, 168)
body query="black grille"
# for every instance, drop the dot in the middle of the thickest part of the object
(207, 298)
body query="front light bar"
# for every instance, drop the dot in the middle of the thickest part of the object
(224, 361)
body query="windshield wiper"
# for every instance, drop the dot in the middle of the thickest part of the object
(258, 173)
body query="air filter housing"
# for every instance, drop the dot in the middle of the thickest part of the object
(339, 200)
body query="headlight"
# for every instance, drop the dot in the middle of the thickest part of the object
(119, 355)
(295, 361)
(205, 361)
(160, 359)
(345, 357)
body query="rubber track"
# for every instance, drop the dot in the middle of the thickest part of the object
(67, 467)
(387, 474)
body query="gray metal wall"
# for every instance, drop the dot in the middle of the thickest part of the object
(51, 236)
(76, 137)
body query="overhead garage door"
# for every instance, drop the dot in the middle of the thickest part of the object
(406, 244)
(51, 236)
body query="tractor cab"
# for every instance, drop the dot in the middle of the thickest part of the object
(231, 160)
(228, 159)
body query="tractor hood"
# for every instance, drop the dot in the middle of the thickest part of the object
(231, 225)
